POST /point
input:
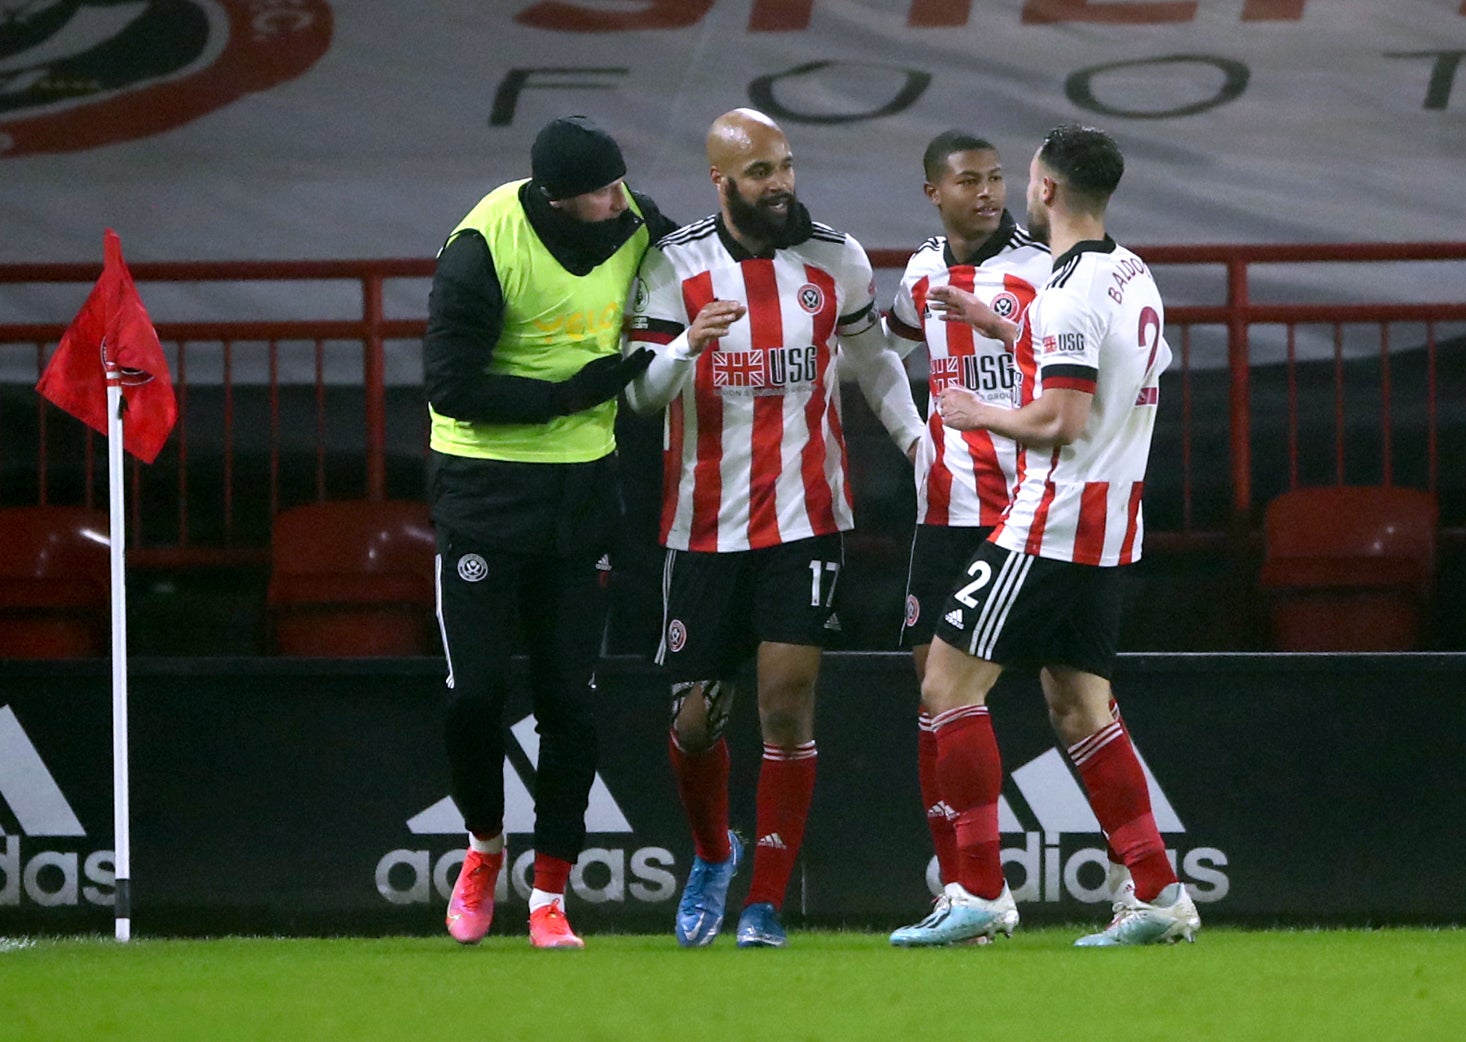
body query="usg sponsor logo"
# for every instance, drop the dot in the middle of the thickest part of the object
(1065, 855)
(614, 873)
(31, 871)
(75, 74)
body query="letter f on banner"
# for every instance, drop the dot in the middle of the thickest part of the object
(112, 332)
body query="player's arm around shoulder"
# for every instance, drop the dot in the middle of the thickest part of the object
(875, 360)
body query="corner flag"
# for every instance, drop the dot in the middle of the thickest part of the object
(113, 330)
(109, 362)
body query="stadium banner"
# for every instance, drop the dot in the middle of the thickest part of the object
(245, 128)
(310, 796)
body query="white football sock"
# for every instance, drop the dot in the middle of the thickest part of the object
(486, 846)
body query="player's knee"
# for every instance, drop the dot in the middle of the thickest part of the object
(785, 728)
(692, 735)
(1073, 722)
(786, 708)
(700, 713)
(937, 691)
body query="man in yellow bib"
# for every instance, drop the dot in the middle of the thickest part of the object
(522, 367)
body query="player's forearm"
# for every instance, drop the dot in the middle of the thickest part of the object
(883, 381)
(664, 379)
(1002, 329)
(475, 397)
(1039, 428)
(1052, 420)
(888, 390)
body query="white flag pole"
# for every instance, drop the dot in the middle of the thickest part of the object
(122, 901)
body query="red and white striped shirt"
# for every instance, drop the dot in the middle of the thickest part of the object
(753, 448)
(1097, 326)
(965, 478)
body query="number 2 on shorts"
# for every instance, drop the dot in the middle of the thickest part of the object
(981, 572)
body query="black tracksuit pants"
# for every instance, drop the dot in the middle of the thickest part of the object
(489, 595)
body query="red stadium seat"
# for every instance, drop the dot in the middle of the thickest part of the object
(55, 582)
(1349, 568)
(352, 578)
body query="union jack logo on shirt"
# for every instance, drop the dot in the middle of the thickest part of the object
(739, 369)
(946, 371)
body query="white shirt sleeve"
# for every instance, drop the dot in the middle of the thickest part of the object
(1067, 342)
(876, 364)
(883, 380)
(657, 319)
(905, 315)
(856, 284)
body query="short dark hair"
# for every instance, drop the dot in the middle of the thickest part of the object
(1086, 158)
(944, 144)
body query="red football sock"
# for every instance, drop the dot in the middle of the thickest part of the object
(938, 821)
(970, 770)
(1121, 801)
(702, 782)
(785, 789)
(1110, 852)
(551, 873)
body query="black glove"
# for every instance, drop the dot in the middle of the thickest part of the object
(601, 379)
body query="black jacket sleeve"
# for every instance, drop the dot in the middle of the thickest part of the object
(465, 318)
(657, 223)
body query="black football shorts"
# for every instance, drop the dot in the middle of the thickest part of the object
(718, 607)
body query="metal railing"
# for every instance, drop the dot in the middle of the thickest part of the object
(223, 344)
(251, 441)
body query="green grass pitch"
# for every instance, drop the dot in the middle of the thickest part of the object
(1375, 985)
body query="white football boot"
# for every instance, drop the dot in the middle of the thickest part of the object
(1169, 918)
(960, 917)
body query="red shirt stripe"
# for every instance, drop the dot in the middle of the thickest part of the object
(939, 482)
(1089, 534)
(960, 343)
(1041, 515)
(960, 336)
(766, 323)
(818, 504)
(707, 479)
(1132, 523)
(992, 486)
(672, 465)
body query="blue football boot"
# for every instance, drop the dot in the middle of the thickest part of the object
(704, 898)
(759, 927)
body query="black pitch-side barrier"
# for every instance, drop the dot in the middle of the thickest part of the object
(310, 796)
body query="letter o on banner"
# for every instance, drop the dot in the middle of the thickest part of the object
(1234, 81)
(761, 92)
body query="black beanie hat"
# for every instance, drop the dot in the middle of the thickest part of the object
(572, 156)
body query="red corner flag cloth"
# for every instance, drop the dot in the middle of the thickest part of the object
(113, 329)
